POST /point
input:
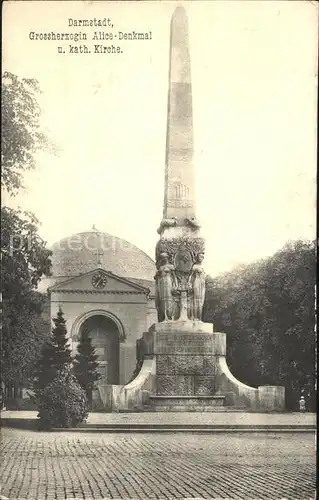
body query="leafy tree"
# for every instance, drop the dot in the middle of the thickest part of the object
(55, 355)
(267, 311)
(63, 402)
(21, 134)
(23, 335)
(24, 257)
(24, 260)
(85, 364)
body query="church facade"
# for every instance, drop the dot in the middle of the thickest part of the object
(105, 285)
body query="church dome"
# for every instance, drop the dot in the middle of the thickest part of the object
(84, 252)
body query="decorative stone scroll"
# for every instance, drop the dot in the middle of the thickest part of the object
(166, 223)
(180, 278)
(190, 222)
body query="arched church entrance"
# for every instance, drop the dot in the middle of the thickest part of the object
(105, 336)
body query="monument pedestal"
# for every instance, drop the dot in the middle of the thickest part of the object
(184, 368)
(185, 354)
(191, 373)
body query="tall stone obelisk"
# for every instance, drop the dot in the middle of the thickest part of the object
(180, 292)
(179, 196)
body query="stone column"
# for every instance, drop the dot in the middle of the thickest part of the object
(179, 197)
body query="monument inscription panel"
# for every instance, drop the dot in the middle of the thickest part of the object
(193, 343)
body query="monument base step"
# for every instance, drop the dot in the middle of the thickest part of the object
(186, 403)
(186, 408)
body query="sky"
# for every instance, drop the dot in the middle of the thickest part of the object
(254, 82)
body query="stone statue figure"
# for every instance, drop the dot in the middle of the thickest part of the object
(197, 284)
(165, 284)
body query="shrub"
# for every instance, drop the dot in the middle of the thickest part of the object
(62, 403)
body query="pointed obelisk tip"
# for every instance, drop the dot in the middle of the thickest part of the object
(179, 11)
(179, 15)
(179, 27)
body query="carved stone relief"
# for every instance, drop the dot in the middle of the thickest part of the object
(180, 278)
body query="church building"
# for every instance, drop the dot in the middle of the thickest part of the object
(106, 285)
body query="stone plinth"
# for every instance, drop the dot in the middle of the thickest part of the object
(191, 372)
(271, 397)
(185, 354)
(184, 368)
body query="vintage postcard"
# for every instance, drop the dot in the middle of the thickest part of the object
(158, 249)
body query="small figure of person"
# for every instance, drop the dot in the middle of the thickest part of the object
(197, 284)
(165, 284)
(302, 404)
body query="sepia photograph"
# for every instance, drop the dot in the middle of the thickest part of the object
(158, 249)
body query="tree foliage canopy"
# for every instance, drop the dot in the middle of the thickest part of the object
(25, 260)
(267, 310)
(23, 334)
(24, 257)
(21, 134)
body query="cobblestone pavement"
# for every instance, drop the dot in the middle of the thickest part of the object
(57, 465)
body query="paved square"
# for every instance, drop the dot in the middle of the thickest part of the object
(68, 465)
